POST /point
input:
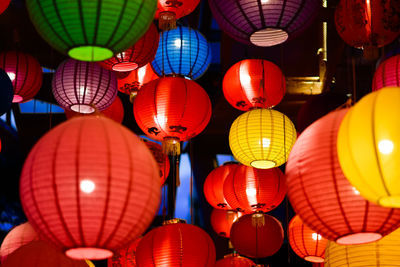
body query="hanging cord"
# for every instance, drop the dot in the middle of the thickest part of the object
(51, 117)
(287, 227)
(353, 70)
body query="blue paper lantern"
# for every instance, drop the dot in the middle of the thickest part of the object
(6, 92)
(182, 51)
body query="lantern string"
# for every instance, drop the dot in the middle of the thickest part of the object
(353, 70)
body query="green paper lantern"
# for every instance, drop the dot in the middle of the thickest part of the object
(91, 30)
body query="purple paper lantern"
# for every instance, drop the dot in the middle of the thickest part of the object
(84, 86)
(264, 22)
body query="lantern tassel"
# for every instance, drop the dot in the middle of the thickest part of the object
(167, 20)
(257, 219)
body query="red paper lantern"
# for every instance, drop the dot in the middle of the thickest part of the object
(174, 245)
(161, 159)
(248, 189)
(169, 11)
(138, 55)
(233, 260)
(254, 83)
(257, 235)
(90, 186)
(115, 111)
(306, 243)
(3, 5)
(40, 254)
(321, 195)
(222, 220)
(214, 186)
(25, 73)
(387, 74)
(16, 238)
(125, 257)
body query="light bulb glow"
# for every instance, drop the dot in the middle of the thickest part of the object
(11, 75)
(266, 142)
(178, 43)
(251, 192)
(385, 146)
(316, 236)
(87, 186)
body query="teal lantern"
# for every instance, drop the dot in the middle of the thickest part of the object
(91, 30)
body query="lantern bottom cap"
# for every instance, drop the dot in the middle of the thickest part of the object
(268, 37)
(316, 259)
(90, 253)
(358, 238)
(263, 164)
(125, 66)
(82, 108)
(17, 99)
(90, 53)
(390, 201)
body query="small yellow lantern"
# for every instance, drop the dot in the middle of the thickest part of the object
(262, 138)
(369, 147)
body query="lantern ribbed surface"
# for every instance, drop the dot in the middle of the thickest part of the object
(6, 92)
(257, 237)
(161, 159)
(321, 195)
(384, 253)
(90, 186)
(387, 74)
(248, 189)
(254, 83)
(129, 83)
(136, 56)
(16, 238)
(180, 8)
(264, 23)
(3, 5)
(368, 146)
(362, 23)
(214, 186)
(232, 260)
(24, 72)
(84, 86)
(125, 257)
(262, 138)
(306, 243)
(91, 30)
(176, 245)
(182, 51)
(172, 107)
(222, 220)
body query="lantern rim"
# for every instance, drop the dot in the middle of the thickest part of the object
(83, 108)
(17, 99)
(358, 238)
(269, 36)
(125, 66)
(90, 53)
(316, 259)
(263, 164)
(390, 201)
(82, 253)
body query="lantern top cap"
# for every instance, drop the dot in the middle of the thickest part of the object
(174, 221)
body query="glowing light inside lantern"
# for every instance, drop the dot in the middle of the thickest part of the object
(264, 1)
(251, 192)
(87, 186)
(356, 191)
(11, 75)
(385, 146)
(266, 142)
(316, 236)
(178, 43)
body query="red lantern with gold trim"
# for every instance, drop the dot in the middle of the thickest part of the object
(168, 11)
(222, 220)
(125, 257)
(3, 5)
(233, 260)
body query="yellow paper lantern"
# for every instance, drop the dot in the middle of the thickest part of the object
(384, 253)
(369, 146)
(262, 138)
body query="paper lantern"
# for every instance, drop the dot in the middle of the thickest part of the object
(3, 5)
(214, 186)
(233, 260)
(6, 92)
(368, 147)
(16, 238)
(39, 254)
(84, 86)
(172, 109)
(262, 138)
(90, 186)
(184, 52)
(91, 30)
(222, 220)
(125, 257)
(387, 74)
(176, 244)
(248, 189)
(264, 23)
(161, 159)
(136, 56)
(254, 83)
(321, 195)
(367, 23)
(385, 252)
(306, 243)
(257, 240)
(24, 72)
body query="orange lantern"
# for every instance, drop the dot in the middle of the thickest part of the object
(161, 159)
(234, 260)
(169, 11)
(125, 257)
(222, 220)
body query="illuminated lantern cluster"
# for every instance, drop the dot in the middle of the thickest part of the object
(222, 220)
(306, 243)
(84, 86)
(264, 23)
(254, 83)
(321, 195)
(368, 146)
(233, 260)
(125, 257)
(176, 244)
(90, 186)
(6, 92)
(249, 190)
(169, 11)
(3, 5)
(183, 52)
(387, 74)
(161, 159)
(136, 56)
(25, 74)
(262, 138)
(91, 30)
